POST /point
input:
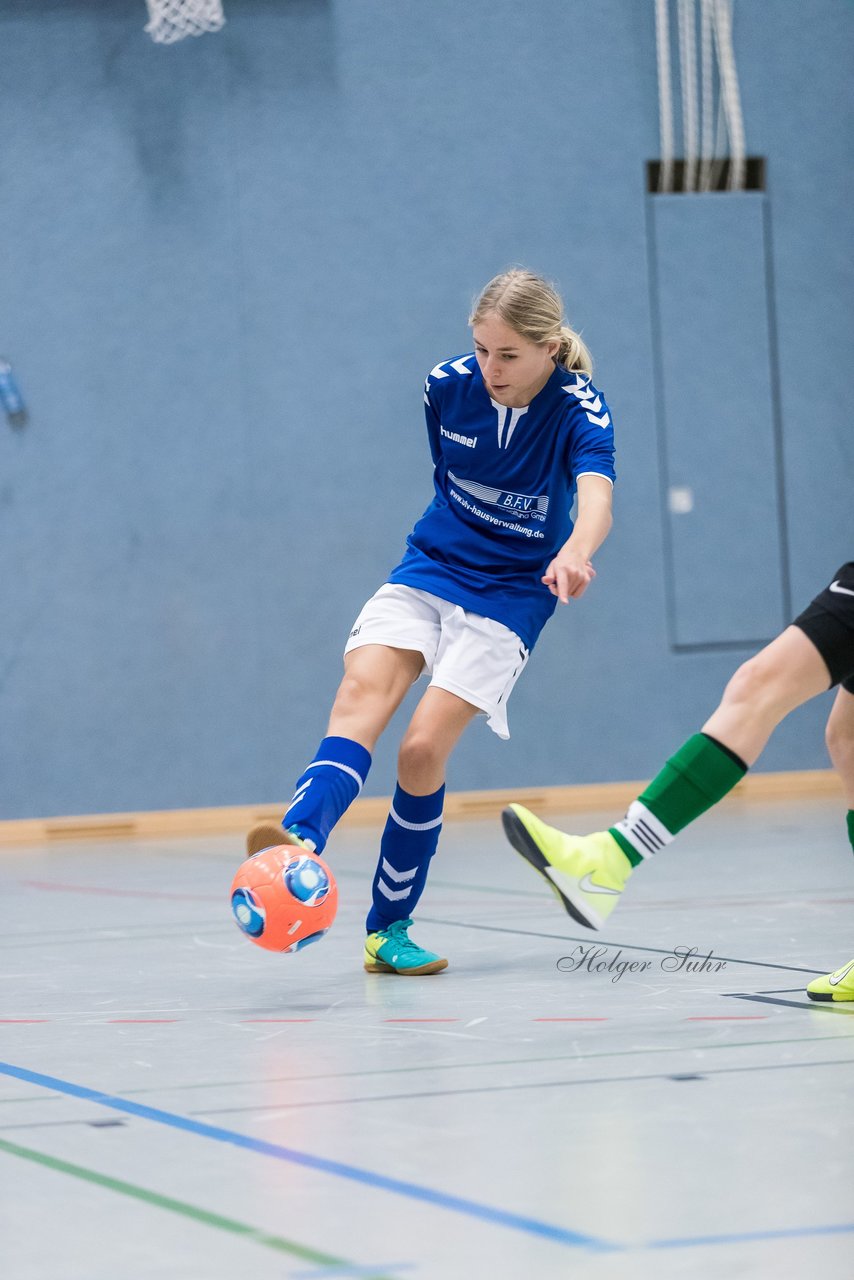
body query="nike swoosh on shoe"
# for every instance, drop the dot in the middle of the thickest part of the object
(588, 885)
(836, 978)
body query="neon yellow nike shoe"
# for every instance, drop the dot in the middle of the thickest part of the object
(587, 873)
(838, 985)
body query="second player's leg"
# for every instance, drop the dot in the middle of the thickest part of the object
(588, 872)
(840, 741)
(839, 985)
(786, 673)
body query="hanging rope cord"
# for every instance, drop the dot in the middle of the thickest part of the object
(730, 95)
(688, 76)
(707, 93)
(701, 169)
(665, 94)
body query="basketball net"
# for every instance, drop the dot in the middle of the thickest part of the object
(171, 20)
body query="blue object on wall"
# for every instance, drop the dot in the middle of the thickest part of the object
(718, 431)
(11, 400)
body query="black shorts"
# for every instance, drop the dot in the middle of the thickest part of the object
(829, 623)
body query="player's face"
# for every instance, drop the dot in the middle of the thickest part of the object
(514, 368)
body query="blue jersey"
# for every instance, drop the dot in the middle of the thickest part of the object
(505, 481)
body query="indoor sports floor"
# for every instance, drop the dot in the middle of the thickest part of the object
(175, 1102)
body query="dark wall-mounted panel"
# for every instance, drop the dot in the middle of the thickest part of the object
(724, 520)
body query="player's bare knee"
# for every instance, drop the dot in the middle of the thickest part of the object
(420, 755)
(839, 736)
(757, 684)
(355, 693)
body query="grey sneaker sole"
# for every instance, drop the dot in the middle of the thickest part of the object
(379, 966)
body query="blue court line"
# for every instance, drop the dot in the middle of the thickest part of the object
(458, 1204)
(744, 1237)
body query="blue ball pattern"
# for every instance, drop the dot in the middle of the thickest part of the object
(248, 912)
(305, 942)
(307, 880)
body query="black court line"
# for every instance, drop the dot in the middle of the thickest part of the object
(514, 1088)
(433, 1067)
(594, 939)
(828, 1006)
(272, 1109)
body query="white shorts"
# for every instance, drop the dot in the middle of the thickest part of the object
(474, 657)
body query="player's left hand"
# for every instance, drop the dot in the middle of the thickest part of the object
(568, 576)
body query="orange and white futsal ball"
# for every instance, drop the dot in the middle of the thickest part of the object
(283, 898)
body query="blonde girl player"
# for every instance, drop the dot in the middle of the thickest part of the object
(815, 653)
(516, 429)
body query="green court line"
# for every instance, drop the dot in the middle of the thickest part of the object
(185, 1210)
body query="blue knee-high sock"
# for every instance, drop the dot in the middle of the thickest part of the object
(326, 789)
(409, 842)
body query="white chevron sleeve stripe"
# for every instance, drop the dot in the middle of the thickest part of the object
(415, 826)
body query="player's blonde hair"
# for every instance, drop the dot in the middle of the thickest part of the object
(534, 308)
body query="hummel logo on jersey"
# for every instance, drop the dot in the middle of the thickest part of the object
(470, 441)
(587, 885)
(841, 591)
(836, 978)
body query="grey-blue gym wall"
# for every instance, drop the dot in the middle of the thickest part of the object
(227, 267)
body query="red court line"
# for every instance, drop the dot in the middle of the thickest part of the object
(24, 1019)
(570, 1019)
(747, 1017)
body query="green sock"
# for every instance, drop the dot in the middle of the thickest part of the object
(851, 828)
(699, 775)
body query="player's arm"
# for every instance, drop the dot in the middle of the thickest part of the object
(570, 573)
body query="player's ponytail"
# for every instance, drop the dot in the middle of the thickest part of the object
(533, 307)
(573, 353)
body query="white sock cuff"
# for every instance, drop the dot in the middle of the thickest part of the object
(415, 826)
(336, 764)
(644, 832)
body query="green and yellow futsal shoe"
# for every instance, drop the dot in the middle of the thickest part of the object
(587, 873)
(268, 835)
(838, 985)
(391, 950)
